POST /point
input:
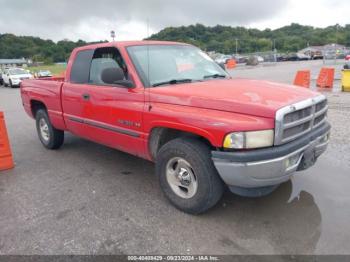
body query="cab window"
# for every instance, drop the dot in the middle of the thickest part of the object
(103, 58)
(81, 67)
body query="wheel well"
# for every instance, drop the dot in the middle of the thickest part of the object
(36, 105)
(161, 135)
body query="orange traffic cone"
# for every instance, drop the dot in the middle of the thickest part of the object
(302, 78)
(231, 63)
(6, 160)
(326, 78)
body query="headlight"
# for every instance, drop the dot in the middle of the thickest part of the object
(250, 139)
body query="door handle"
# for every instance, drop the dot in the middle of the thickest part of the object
(86, 96)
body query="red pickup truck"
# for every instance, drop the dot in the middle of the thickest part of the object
(170, 103)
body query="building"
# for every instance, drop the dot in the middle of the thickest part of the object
(13, 63)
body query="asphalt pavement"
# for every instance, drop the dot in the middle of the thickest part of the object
(89, 199)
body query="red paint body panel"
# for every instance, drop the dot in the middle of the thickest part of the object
(106, 105)
(208, 123)
(252, 97)
(47, 92)
(210, 109)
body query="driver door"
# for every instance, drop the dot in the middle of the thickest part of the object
(111, 113)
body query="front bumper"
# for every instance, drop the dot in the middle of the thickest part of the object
(16, 82)
(271, 166)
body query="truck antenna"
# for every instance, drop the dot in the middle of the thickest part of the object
(148, 69)
(113, 35)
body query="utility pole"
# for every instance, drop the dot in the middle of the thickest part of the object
(336, 44)
(236, 46)
(274, 50)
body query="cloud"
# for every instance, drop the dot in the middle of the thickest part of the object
(317, 13)
(93, 19)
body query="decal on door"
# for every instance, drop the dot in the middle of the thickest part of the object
(129, 123)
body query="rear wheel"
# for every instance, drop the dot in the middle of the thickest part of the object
(49, 136)
(188, 176)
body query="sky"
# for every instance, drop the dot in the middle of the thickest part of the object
(92, 20)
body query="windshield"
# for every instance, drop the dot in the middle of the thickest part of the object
(17, 71)
(172, 64)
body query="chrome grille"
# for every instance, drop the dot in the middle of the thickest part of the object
(296, 120)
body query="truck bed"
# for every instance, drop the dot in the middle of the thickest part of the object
(49, 89)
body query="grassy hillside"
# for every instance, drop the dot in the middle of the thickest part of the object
(35, 48)
(286, 39)
(218, 38)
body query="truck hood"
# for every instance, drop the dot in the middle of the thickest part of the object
(252, 97)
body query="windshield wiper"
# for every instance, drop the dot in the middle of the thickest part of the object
(174, 82)
(215, 76)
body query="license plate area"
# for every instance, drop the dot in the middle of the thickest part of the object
(309, 157)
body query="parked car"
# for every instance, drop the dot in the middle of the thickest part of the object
(330, 55)
(303, 57)
(14, 76)
(347, 62)
(43, 73)
(201, 128)
(292, 57)
(223, 59)
(241, 59)
(252, 61)
(282, 58)
(260, 58)
(1, 79)
(318, 55)
(340, 56)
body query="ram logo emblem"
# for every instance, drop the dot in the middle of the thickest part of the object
(293, 108)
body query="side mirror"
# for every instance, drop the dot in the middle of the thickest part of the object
(115, 76)
(222, 65)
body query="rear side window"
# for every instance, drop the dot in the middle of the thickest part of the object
(81, 67)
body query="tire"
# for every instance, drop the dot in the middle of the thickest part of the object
(11, 86)
(50, 137)
(6, 85)
(253, 192)
(200, 186)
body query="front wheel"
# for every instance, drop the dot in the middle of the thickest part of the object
(49, 136)
(11, 86)
(188, 176)
(253, 192)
